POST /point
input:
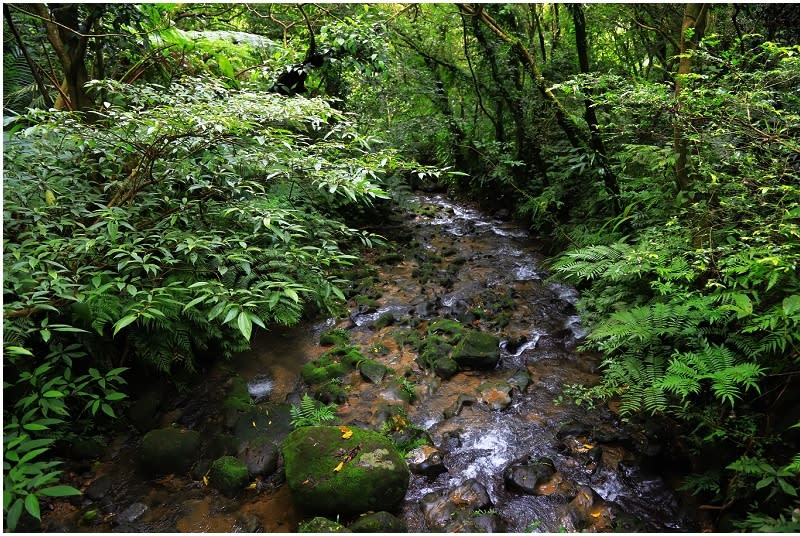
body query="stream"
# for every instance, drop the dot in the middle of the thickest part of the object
(458, 264)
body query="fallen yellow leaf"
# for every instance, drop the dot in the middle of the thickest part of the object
(347, 433)
(588, 446)
(338, 467)
(205, 480)
(252, 486)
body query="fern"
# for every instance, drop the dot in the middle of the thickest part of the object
(311, 412)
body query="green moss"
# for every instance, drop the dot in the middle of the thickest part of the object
(334, 337)
(229, 475)
(453, 328)
(367, 301)
(374, 478)
(238, 396)
(169, 450)
(313, 375)
(321, 524)
(332, 393)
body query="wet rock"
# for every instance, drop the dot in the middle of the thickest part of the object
(372, 371)
(576, 515)
(458, 405)
(386, 319)
(99, 488)
(514, 344)
(378, 522)
(484, 523)
(130, 514)
(272, 420)
(477, 350)
(445, 368)
(229, 475)
(331, 472)
(526, 476)
(520, 380)
(426, 460)
(496, 395)
(249, 523)
(322, 524)
(453, 510)
(169, 450)
(260, 456)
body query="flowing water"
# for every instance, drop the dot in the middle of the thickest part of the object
(462, 264)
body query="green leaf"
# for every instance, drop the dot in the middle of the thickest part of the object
(13, 515)
(53, 394)
(764, 482)
(32, 506)
(124, 321)
(292, 294)
(108, 410)
(245, 324)
(59, 491)
(115, 396)
(18, 350)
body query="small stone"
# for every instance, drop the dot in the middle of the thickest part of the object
(131, 514)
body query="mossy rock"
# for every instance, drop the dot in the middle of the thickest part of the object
(477, 350)
(372, 371)
(386, 319)
(372, 476)
(453, 328)
(238, 396)
(445, 367)
(331, 393)
(272, 420)
(378, 522)
(229, 475)
(366, 301)
(169, 450)
(321, 524)
(334, 337)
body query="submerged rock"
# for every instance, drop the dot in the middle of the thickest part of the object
(456, 510)
(527, 476)
(333, 471)
(496, 395)
(169, 450)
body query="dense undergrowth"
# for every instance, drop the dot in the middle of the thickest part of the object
(693, 296)
(186, 203)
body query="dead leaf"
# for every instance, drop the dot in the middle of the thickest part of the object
(338, 467)
(347, 433)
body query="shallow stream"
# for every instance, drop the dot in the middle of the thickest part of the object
(461, 264)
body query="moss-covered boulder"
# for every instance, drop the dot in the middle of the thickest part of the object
(378, 522)
(258, 434)
(477, 350)
(169, 450)
(337, 470)
(229, 475)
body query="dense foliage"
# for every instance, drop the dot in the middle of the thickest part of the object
(159, 206)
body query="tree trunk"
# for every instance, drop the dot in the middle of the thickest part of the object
(692, 31)
(48, 101)
(70, 44)
(595, 141)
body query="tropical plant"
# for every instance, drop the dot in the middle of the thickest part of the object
(310, 412)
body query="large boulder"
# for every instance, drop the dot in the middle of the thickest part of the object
(169, 450)
(338, 470)
(477, 350)
(258, 434)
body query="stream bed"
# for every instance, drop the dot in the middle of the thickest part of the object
(456, 263)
